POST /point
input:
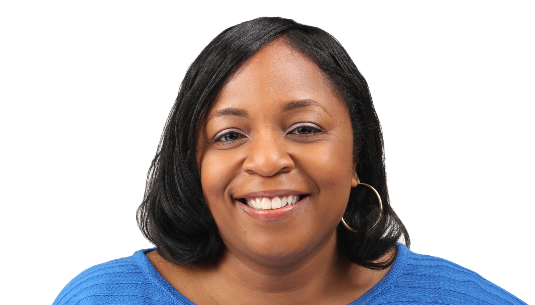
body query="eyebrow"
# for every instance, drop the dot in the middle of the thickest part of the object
(285, 108)
(302, 103)
(229, 111)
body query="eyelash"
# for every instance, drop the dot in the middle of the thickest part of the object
(218, 136)
(315, 129)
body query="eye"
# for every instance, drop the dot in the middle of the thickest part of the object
(228, 136)
(306, 129)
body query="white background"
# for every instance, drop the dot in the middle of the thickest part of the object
(86, 88)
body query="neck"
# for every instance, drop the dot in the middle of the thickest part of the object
(274, 276)
(323, 275)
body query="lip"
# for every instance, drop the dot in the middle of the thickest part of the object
(271, 215)
(273, 193)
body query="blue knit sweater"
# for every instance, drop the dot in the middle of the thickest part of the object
(413, 279)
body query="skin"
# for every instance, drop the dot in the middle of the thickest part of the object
(277, 125)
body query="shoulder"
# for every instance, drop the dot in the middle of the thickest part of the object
(122, 281)
(435, 280)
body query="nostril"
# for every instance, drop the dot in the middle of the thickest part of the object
(267, 160)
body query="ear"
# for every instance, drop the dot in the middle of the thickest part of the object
(354, 179)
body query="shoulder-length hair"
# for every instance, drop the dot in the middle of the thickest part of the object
(174, 215)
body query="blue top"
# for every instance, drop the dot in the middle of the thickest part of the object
(413, 279)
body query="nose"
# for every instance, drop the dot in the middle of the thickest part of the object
(267, 156)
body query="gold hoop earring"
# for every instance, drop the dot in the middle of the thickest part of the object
(380, 209)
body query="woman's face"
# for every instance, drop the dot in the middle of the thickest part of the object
(277, 132)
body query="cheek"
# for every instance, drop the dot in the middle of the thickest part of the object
(216, 172)
(333, 164)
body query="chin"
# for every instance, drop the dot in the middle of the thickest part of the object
(273, 250)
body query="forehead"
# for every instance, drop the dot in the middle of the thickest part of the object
(276, 73)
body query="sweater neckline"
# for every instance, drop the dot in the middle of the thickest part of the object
(156, 278)
(390, 278)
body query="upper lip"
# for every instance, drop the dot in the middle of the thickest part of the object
(272, 193)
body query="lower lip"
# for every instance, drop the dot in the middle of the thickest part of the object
(272, 215)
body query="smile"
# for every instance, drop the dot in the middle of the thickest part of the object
(271, 203)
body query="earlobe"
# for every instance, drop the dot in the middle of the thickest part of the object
(355, 179)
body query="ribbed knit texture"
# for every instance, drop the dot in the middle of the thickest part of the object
(413, 279)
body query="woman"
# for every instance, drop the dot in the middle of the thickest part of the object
(269, 187)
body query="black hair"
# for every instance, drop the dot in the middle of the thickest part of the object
(174, 215)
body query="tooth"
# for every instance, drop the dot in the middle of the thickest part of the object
(258, 203)
(284, 201)
(266, 204)
(276, 203)
(290, 199)
(296, 198)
